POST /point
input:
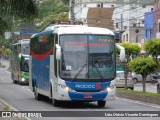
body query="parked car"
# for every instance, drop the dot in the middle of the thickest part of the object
(155, 78)
(120, 80)
(138, 78)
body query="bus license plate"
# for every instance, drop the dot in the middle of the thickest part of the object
(88, 96)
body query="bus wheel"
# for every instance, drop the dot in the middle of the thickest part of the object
(55, 102)
(101, 103)
(36, 94)
(14, 81)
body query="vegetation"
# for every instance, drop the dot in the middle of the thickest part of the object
(139, 92)
(6, 108)
(152, 47)
(51, 11)
(130, 50)
(18, 8)
(143, 66)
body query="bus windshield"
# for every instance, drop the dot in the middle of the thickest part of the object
(25, 49)
(87, 57)
(24, 63)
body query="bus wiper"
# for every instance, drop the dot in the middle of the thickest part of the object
(78, 72)
(99, 73)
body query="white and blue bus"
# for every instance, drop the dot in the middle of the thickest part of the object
(73, 63)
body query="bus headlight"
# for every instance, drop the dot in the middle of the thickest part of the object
(109, 88)
(23, 79)
(66, 88)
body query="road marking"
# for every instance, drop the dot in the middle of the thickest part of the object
(139, 102)
(1, 100)
(8, 72)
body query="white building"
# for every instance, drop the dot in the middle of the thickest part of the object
(119, 14)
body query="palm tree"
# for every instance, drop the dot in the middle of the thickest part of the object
(20, 8)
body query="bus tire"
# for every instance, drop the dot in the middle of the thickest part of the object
(14, 81)
(101, 103)
(37, 95)
(20, 83)
(55, 102)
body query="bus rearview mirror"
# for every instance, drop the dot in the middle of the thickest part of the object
(19, 57)
(58, 52)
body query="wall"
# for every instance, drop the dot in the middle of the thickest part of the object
(157, 19)
(133, 37)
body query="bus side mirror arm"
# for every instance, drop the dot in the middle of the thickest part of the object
(122, 53)
(58, 52)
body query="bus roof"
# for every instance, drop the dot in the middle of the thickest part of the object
(74, 29)
(23, 41)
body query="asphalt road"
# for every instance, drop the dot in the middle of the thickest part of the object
(21, 98)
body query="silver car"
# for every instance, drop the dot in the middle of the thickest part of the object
(120, 80)
(138, 78)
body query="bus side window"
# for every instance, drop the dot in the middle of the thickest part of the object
(56, 38)
(50, 42)
(55, 61)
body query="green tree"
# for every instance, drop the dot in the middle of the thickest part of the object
(51, 11)
(130, 50)
(143, 66)
(19, 8)
(152, 47)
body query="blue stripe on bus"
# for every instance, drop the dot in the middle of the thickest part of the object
(87, 97)
(87, 86)
(90, 86)
(42, 33)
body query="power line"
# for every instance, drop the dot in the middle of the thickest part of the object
(130, 20)
(121, 6)
(142, 15)
(127, 10)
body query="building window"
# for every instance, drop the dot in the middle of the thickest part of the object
(112, 5)
(99, 5)
(97, 21)
(151, 34)
(144, 6)
(126, 37)
(116, 25)
(147, 34)
(123, 38)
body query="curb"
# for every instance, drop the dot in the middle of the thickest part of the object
(137, 97)
(139, 102)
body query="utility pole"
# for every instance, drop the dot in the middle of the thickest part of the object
(121, 29)
(121, 22)
(72, 15)
(13, 27)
